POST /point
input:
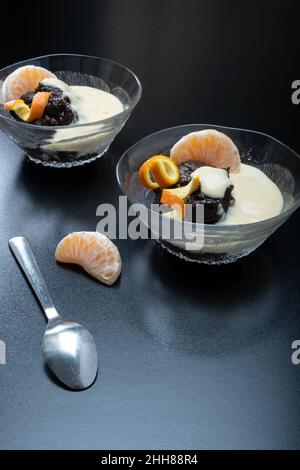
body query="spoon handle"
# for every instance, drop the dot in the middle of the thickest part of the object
(23, 254)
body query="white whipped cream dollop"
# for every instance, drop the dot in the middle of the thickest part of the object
(56, 83)
(213, 181)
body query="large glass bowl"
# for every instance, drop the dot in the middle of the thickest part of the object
(222, 243)
(66, 146)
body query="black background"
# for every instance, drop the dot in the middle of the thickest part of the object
(190, 356)
(223, 62)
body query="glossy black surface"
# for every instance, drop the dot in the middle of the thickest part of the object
(190, 356)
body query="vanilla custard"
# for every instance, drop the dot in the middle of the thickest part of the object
(90, 104)
(255, 195)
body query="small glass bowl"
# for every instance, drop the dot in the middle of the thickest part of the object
(73, 145)
(222, 243)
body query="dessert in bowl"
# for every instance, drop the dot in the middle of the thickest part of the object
(65, 110)
(247, 184)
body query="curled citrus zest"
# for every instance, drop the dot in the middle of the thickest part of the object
(38, 105)
(174, 201)
(165, 173)
(26, 113)
(19, 107)
(187, 189)
(12, 103)
(174, 197)
(159, 171)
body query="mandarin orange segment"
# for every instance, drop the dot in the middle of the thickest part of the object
(94, 252)
(22, 80)
(210, 147)
(159, 171)
(174, 201)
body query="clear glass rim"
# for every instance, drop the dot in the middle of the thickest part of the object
(106, 121)
(276, 220)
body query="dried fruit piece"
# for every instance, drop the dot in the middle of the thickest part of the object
(94, 252)
(159, 171)
(210, 147)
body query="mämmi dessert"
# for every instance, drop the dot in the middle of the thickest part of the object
(204, 168)
(36, 96)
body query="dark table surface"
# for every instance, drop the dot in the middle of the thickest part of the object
(190, 356)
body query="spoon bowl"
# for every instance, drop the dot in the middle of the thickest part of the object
(70, 352)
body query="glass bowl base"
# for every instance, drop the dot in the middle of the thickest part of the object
(64, 159)
(207, 258)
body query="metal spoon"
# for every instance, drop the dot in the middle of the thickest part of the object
(69, 348)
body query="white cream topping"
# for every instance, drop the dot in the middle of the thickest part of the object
(257, 197)
(213, 181)
(91, 104)
(56, 83)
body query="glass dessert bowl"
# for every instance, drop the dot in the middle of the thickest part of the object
(75, 141)
(221, 242)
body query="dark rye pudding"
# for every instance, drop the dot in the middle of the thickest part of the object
(58, 110)
(214, 208)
